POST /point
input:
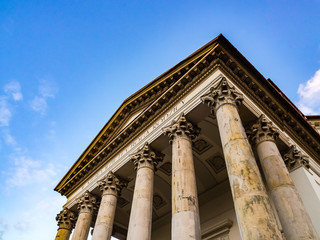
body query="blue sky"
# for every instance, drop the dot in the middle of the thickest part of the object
(66, 66)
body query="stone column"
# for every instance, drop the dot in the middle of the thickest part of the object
(110, 187)
(252, 205)
(86, 206)
(293, 216)
(66, 220)
(145, 162)
(185, 208)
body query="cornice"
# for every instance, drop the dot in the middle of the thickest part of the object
(161, 93)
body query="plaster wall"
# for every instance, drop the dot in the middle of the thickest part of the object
(309, 191)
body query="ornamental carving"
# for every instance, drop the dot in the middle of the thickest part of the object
(224, 93)
(66, 219)
(294, 159)
(111, 184)
(87, 202)
(146, 157)
(262, 130)
(181, 128)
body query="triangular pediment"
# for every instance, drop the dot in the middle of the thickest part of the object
(141, 108)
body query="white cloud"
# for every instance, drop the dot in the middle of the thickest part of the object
(42, 211)
(28, 171)
(3, 228)
(8, 138)
(39, 104)
(47, 89)
(22, 226)
(5, 112)
(309, 95)
(14, 89)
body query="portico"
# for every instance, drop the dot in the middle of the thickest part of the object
(201, 181)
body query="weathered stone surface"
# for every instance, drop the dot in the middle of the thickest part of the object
(111, 188)
(141, 210)
(86, 205)
(63, 234)
(104, 222)
(66, 221)
(252, 205)
(185, 209)
(293, 216)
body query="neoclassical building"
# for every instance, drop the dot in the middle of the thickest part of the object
(208, 150)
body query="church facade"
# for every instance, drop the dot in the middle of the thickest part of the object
(208, 150)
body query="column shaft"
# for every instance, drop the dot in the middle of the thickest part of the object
(63, 234)
(111, 187)
(141, 210)
(185, 209)
(251, 201)
(104, 223)
(86, 206)
(82, 228)
(294, 218)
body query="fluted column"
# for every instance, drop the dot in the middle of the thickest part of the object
(110, 187)
(185, 208)
(252, 204)
(66, 220)
(145, 162)
(294, 218)
(86, 205)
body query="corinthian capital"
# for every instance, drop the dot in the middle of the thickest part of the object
(222, 94)
(294, 159)
(181, 128)
(111, 185)
(262, 130)
(66, 219)
(146, 157)
(87, 202)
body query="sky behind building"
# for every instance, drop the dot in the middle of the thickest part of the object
(66, 66)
